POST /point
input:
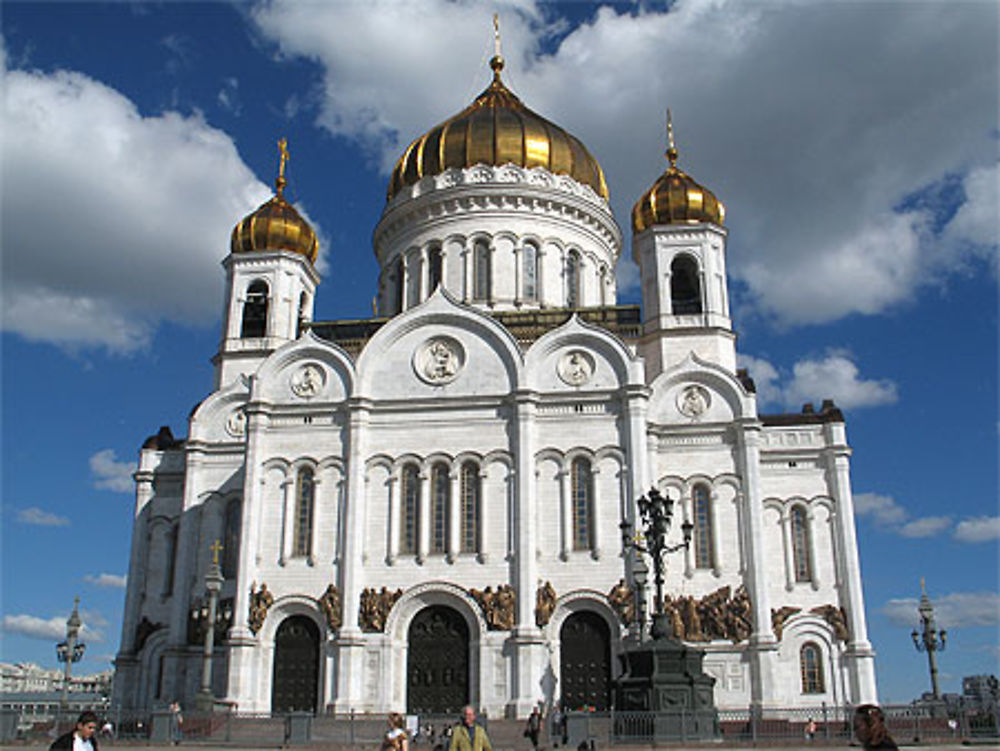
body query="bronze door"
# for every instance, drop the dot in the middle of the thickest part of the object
(296, 666)
(585, 661)
(437, 663)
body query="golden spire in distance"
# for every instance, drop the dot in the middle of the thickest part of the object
(282, 160)
(671, 148)
(496, 62)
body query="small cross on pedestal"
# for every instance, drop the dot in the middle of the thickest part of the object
(216, 548)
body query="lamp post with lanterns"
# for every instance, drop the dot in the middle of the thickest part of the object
(205, 700)
(929, 639)
(70, 651)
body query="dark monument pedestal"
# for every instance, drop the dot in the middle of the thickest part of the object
(664, 677)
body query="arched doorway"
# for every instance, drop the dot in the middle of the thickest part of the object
(585, 661)
(437, 663)
(296, 666)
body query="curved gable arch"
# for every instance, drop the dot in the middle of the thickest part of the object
(605, 347)
(738, 403)
(339, 370)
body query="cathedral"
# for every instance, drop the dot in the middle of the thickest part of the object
(427, 508)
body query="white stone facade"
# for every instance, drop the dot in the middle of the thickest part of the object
(445, 453)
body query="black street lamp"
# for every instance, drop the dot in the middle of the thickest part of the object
(656, 513)
(929, 639)
(70, 651)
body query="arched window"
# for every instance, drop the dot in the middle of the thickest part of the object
(413, 281)
(604, 285)
(255, 311)
(470, 490)
(573, 279)
(434, 269)
(231, 539)
(529, 261)
(685, 289)
(305, 502)
(701, 498)
(400, 284)
(440, 497)
(482, 270)
(582, 500)
(811, 667)
(410, 497)
(800, 545)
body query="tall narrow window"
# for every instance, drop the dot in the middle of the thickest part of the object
(685, 289)
(231, 539)
(800, 545)
(440, 495)
(168, 579)
(811, 666)
(703, 557)
(305, 498)
(413, 281)
(410, 497)
(573, 279)
(582, 498)
(482, 270)
(529, 261)
(303, 303)
(400, 284)
(434, 269)
(255, 311)
(470, 490)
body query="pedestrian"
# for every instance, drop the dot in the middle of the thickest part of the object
(107, 730)
(559, 730)
(395, 738)
(869, 727)
(80, 738)
(533, 726)
(176, 723)
(468, 735)
(810, 731)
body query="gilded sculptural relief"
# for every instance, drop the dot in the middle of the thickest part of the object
(545, 604)
(260, 602)
(330, 604)
(622, 599)
(715, 616)
(375, 606)
(497, 606)
(778, 618)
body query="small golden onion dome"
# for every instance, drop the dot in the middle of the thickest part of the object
(676, 198)
(497, 129)
(276, 225)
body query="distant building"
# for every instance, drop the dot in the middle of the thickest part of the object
(26, 677)
(981, 688)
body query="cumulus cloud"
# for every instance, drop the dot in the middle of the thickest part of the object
(113, 581)
(41, 518)
(111, 474)
(831, 376)
(53, 629)
(811, 121)
(112, 221)
(955, 610)
(978, 529)
(892, 517)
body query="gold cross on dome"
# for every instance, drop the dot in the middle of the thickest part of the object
(283, 149)
(216, 548)
(496, 34)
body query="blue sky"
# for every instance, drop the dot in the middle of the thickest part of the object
(855, 146)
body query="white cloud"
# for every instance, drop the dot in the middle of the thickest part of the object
(811, 121)
(956, 610)
(111, 474)
(52, 628)
(978, 529)
(111, 221)
(892, 517)
(113, 581)
(41, 518)
(977, 221)
(832, 376)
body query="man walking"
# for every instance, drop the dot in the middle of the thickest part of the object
(80, 738)
(468, 735)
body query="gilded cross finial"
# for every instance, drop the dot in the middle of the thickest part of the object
(496, 63)
(671, 147)
(216, 547)
(923, 589)
(282, 160)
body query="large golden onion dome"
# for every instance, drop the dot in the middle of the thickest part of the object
(676, 198)
(497, 129)
(276, 225)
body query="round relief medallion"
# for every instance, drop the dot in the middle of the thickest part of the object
(236, 423)
(575, 367)
(439, 360)
(308, 381)
(693, 401)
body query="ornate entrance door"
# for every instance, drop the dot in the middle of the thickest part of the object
(296, 666)
(437, 663)
(585, 662)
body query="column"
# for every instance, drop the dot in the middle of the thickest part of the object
(424, 274)
(392, 544)
(424, 515)
(287, 519)
(713, 521)
(859, 655)
(595, 528)
(467, 271)
(566, 517)
(455, 515)
(763, 647)
(787, 545)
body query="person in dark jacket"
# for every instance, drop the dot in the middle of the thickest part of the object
(869, 726)
(80, 738)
